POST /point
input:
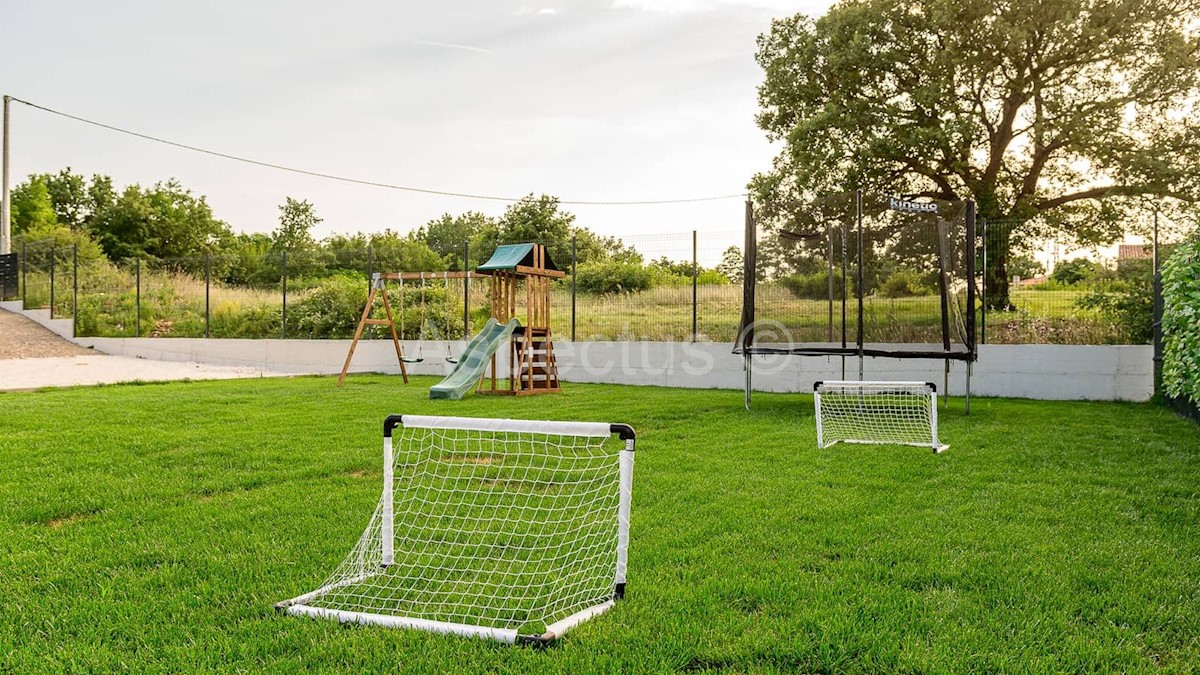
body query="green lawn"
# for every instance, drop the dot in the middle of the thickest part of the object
(151, 528)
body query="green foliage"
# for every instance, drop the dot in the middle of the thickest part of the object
(1025, 266)
(1129, 304)
(1077, 270)
(329, 310)
(612, 276)
(708, 277)
(64, 241)
(447, 235)
(591, 246)
(1181, 322)
(165, 222)
(1065, 112)
(732, 264)
(31, 206)
(905, 284)
(813, 286)
(297, 218)
(534, 220)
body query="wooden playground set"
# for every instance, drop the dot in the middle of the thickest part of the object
(531, 367)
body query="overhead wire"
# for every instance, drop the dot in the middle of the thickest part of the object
(360, 181)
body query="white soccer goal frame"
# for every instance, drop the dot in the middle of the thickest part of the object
(865, 388)
(529, 429)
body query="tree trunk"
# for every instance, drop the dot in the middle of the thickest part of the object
(997, 237)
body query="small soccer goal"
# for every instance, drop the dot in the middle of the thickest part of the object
(507, 529)
(903, 413)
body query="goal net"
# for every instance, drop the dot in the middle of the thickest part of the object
(903, 413)
(508, 529)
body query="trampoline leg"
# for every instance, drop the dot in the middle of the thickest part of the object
(969, 387)
(746, 363)
(946, 386)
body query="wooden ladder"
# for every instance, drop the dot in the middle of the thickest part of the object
(534, 362)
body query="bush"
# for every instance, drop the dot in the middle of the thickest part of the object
(1130, 306)
(331, 309)
(1181, 322)
(813, 286)
(712, 278)
(904, 284)
(612, 276)
(1077, 270)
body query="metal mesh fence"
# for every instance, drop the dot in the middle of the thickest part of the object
(670, 287)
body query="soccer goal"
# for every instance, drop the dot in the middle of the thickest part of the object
(903, 413)
(507, 529)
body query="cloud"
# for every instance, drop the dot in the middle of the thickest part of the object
(450, 45)
(535, 11)
(691, 6)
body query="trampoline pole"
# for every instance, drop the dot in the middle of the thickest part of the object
(946, 386)
(748, 365)
(968, 398)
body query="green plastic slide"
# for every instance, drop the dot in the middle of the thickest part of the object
(474, 360)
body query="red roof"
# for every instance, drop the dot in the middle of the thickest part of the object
(1134, 252)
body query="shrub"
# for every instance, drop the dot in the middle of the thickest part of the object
(612, 276)
(904, 284)
(1181, 322)
(1077, 270)
(712, 278)
(813, 286)
(331, 308)
(1130, 306)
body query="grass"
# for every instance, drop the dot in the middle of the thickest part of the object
(151, 528)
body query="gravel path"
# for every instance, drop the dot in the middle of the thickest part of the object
(32, 357)
(21, 338)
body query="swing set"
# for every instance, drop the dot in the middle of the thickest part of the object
(379, 290)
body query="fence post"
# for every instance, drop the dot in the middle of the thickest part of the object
(467, 289)
(695, 280)
(52, 256)
(207, 286)
(137, 322)
(75, 290)
(573, 269)
(283, 331)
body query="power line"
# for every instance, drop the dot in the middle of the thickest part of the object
(359, 181)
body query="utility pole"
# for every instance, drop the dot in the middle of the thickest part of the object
(6, 214)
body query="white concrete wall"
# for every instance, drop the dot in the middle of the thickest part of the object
(1048, 372)
(1051, 372)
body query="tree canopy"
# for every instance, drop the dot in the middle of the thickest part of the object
(1068, 112)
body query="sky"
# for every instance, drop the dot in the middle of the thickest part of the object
(607, 100)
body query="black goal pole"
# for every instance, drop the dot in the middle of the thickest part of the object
(858, 199)
(749, 279)
(972, 348)
(944, 252)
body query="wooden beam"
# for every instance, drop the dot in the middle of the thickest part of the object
(430, 276)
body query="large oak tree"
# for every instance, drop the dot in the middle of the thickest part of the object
(1066, 112)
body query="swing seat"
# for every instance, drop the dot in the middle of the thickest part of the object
(410, 359)
(451, 359)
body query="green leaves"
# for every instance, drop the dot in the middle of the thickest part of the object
(1181, 322)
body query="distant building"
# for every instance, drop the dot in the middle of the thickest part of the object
(1135, 252)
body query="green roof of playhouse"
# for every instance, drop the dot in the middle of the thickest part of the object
(509, 256)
